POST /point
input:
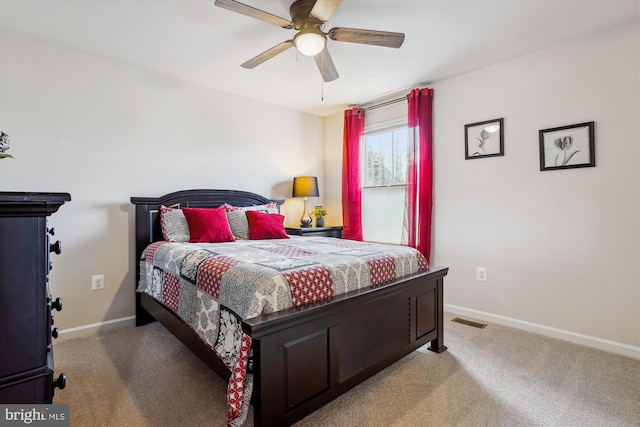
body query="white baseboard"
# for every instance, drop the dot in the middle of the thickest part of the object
(81, 331)
(599, 343)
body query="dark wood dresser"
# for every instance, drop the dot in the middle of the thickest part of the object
(26, 351)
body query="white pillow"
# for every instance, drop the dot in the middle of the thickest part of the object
(238, 218)
(238, 223)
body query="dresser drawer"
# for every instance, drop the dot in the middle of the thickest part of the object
(31, 389)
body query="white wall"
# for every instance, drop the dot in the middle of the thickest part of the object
(333, 126)
(561, 248)
(105, 131)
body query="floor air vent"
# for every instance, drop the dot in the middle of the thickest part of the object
(469, 323)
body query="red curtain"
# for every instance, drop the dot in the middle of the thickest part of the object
(419, 189)
(351, 176)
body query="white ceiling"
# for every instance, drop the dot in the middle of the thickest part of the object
(195, 41)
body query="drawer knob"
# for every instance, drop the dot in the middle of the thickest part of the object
(52, 231)
(57, 304)
(60, 382)
(54, 332)
(56, 247)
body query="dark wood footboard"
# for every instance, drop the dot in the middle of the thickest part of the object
(303, 359)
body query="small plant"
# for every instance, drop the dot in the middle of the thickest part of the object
(4, 145)
(319, 212)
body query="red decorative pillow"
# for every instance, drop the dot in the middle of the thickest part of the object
(266, 226)
(208, 225)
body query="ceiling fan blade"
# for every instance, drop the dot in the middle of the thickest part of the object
(323, 9)
(244, 9)
(267, 54)
(372, 37)
(326, 66)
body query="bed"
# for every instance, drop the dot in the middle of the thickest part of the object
(298, 358)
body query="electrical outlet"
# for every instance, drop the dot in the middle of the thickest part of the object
(97, 282)
(481, 274)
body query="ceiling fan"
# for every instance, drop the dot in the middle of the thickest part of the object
(308, 17)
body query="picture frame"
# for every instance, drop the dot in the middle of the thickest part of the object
(484, 139)
(568, 147)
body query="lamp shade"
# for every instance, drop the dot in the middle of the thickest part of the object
(305, 186)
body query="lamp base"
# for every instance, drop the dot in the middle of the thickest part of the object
(304, 223)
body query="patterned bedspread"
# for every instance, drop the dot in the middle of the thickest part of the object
(213, 286)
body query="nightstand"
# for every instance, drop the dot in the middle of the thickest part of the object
(329, 231)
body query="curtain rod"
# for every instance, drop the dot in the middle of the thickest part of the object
(391, 97)
(384, 104)
(401, 98)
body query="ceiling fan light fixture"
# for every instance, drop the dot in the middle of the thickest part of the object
(310, 43)
(309, 18)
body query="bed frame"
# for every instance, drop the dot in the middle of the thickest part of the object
(306, 357)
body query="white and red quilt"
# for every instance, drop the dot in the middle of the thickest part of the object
(213, 286)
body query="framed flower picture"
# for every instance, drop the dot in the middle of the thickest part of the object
(567, 147)
(484, 139)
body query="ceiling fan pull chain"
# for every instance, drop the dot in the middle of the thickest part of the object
(322, 80)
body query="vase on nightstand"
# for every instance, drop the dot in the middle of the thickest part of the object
(320, 221)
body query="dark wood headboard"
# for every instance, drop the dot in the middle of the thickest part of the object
(148, 209)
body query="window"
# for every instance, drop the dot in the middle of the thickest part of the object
(384, 173)
(385, 157)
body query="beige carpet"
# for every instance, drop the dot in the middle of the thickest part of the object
(496, 376)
